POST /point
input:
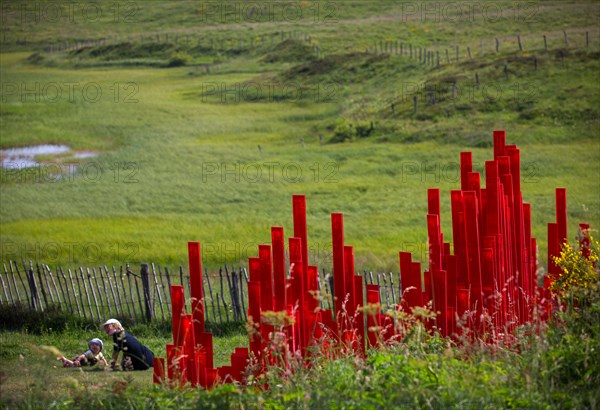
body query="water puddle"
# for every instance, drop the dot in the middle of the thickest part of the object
(26, 157)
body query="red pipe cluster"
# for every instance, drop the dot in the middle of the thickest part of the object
(491, 269)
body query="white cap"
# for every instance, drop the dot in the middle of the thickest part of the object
(112, 322)
(97, 341)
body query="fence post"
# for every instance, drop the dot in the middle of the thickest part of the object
(222, 297)
(34, 289)
(89, 276)
(131, 297)
(80, 293)
(20, 279)
(4, 288)
(147, 295)
(41, 285)
(75, 294)
(65, 291)
(112, 291)
(242, 294)
(14, 280)
(54, 284)
(497, 45)
(162, 284)
(392, 288)
(160, 301)
(100, 296)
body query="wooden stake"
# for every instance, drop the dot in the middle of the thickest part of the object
(20, 279)
(160, 300)
(87, 294)
(54, 284)
(14, 280)
(89, 275)
(75, 294)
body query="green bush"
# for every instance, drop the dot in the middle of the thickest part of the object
(179, 59)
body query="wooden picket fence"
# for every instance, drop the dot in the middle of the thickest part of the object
(97, 293)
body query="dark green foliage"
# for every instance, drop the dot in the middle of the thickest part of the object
(290, 51)
(22, 317)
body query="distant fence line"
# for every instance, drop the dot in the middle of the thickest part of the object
(436, 56)
(433, 55)
(97, 293)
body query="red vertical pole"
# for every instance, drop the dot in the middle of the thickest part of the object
(299, 211)
(360, 316)
(488, 269)
(417, 293)
(298, 291)
(433, 201)
(440, 300)
(527, 227)
(254, 315)
(518, 217)
(460, 238)
(553, 250)
(405, 259)
(279, 275)
(296, 269)
(373, 325)
(584, 239)
(339, 286)
(189, 346)
(314, 330)
(561, 216)
(428, 291)
(492, 197)
(266, 277)
(466, 166)
(534, 263)
(473, 247)
(451, 293)
(474, 181)
(313, 288)
(254, 269)
(499, 143)
(200, 366)
(195, 262)
(175, 364)
(349, 280)
(177, 309)
(207, 344)
(434, 240)
(410, 275)
(159, 371)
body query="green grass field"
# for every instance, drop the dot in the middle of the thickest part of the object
(205, 117)
(185, 155)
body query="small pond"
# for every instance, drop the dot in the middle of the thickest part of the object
(25, 157)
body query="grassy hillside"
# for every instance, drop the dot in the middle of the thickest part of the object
(202, 136)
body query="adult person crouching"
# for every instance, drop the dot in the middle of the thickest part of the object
(136, 356)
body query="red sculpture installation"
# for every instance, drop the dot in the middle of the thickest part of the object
(490, 271)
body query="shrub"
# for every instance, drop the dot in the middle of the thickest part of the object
(179, 59)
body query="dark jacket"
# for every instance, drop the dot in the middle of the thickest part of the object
(136, 356)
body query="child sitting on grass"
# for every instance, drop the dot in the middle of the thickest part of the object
(89, 357)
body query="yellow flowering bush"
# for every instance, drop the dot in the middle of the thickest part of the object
(579, 280)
